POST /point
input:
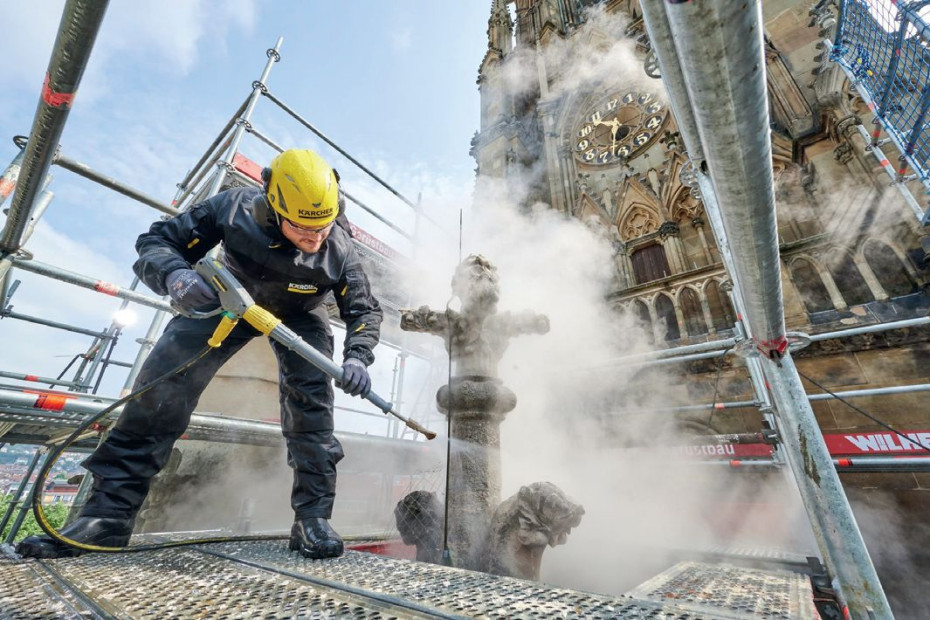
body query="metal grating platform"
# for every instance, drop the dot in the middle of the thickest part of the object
(778, 595)
(264, 580)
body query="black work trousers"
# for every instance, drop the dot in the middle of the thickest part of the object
(140, 443)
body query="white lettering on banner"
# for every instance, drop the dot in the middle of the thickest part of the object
(889, 442)
(373, 242)
(864, 442)
(708, 450)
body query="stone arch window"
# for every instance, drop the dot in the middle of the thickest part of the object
(849, 279)
(889, 269)
(639, 221)
(641, 312)
(668, 321)
(810, 286)
(696, 247)
(721, 311)
(692, 311)
(650, 263)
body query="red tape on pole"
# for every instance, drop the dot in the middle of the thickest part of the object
(50, 402)
(55, 99)
(107, 288)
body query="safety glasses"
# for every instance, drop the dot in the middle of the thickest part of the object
(308, 231)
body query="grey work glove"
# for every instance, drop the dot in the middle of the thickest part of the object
(355, 379)
(190, 291)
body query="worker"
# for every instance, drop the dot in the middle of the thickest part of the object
(281, 243)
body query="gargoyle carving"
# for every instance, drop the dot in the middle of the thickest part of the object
(419, 521)
(538, 515)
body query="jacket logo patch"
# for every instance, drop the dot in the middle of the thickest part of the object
(294, 287)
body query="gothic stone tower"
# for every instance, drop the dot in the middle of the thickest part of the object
(597, 142)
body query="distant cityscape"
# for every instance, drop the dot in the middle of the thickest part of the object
(62, 485)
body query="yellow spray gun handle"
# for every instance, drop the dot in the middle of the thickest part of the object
(225, 327)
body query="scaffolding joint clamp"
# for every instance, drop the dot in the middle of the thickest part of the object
(797, 341)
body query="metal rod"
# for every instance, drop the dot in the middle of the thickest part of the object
(832, 520)
(36, 378)
(6, 262)
(110, 183)
(378, 217)
(720, 47)
(716, 345)
(63, 326)
(112, 333)
(720, 345)
(99, 286)
(80, 22)
(684, 358)
(72, 410)
(183, 195)
(856, 464)
(335, 146)
(871, 329)
(182, 186)
(10, 175)
(257, 89)
(663, 44)
(145, 347)
(20, 489)
(900, 389)
(262, 137)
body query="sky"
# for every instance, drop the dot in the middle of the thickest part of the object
(393, 83)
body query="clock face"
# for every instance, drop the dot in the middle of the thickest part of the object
(619, 128)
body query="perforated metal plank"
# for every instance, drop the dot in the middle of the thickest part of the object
(750, 593)
(184, 583)
(461, 592)
(27, 592)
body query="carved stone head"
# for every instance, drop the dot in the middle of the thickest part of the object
(476, 283)
(547, 515)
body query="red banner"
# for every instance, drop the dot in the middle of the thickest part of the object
(366, 238)
(880, 442)
(883, 443)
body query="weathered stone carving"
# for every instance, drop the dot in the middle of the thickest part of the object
(478, 333)
(476, 401)
(419, 520)
(539, 514)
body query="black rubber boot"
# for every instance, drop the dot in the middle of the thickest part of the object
(98, 531)
(315, 539)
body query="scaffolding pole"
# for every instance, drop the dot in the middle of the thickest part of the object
(110, 183)
(6, 262)
(185, 184)
(718, 47)
(100, 286)
(77, 31)
(11, 174)
(258, 88)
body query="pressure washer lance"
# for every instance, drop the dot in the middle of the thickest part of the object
(236, 303)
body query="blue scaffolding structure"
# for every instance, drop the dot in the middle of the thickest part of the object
(883, 47)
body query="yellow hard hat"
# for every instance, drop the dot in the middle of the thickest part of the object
(303, 188)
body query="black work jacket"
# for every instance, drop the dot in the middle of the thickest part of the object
(280, 278)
